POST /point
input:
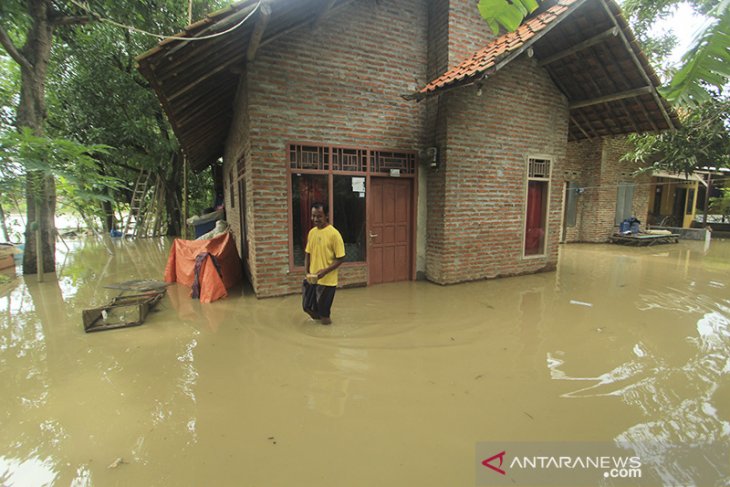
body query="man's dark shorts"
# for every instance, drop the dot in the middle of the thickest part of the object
(317, 300)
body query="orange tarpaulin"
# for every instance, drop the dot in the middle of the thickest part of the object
(181, 265)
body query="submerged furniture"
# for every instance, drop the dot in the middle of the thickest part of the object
(643, 239)
(125, 311)
(9, 255)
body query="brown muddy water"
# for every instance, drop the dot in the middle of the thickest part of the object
(619, 344)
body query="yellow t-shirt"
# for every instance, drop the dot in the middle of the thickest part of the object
(323, 247)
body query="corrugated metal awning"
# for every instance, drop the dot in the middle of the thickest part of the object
(682, 176)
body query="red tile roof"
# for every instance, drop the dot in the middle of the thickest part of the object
(489, 57)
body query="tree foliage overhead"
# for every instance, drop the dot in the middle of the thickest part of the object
(95, 96)
(9, 89)
(705, 66)
(707, 63)
(507, 14)
(75, 166)
(703, 140)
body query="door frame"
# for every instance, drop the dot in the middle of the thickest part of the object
(243, 221)
(413, 213)
(410, 170)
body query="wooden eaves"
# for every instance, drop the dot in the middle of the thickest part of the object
(589, 51)
(196, 81)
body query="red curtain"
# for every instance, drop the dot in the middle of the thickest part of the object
(311, 189)
(535, 231)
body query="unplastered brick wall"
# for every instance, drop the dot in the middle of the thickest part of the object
(438, 39)
(583, 167)
(482, 179)
(616, 170)
(599, 168)
(436, 187)
(468, 31)
(237, 148)
(337, 84)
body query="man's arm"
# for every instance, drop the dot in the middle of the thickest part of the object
(337, 263)
(306, 262)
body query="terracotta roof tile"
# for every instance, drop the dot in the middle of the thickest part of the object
(488, 56)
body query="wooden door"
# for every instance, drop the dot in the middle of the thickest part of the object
(389, 230)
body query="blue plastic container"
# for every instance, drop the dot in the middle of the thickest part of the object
(204, 228)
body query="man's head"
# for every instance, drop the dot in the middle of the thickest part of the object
(319, 215)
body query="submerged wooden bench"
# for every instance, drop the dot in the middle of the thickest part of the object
(643, 239)
(125, 310)
(120, 312)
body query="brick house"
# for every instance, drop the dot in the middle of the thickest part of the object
(444, 151)
(673, 199)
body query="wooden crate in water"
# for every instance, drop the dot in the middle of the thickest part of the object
(121, 312)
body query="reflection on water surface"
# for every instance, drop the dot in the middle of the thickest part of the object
(619, 345)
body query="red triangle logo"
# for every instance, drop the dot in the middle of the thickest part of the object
(499, 455)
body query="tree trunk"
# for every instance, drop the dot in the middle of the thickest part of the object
(4, 224)
(109, 220)
(40, 187)
(172, 197)
(707, 198)
(41, 201)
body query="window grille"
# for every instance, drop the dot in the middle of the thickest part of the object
(381, 161)
(319, 158)
(349, 159)
(308, 157)
(538, 168)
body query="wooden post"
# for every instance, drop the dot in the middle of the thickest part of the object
(707, 198)
(38, 250)
(185, 199)
(38, 234)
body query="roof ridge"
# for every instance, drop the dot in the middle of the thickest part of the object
(500, 48)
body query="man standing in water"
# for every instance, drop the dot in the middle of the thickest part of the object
(325, 252)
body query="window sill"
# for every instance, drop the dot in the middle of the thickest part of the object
(533, 257)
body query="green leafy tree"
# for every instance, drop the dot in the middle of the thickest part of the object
(40, 38)
(73, 167)
(721, 205)
(27, 34)
(9, 91)
(120, 109)
(10, 185)
(117, 109)
(705, 67)
(703, 140)
(506, 14)
(642, 16)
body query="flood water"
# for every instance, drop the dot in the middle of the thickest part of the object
(619, 344)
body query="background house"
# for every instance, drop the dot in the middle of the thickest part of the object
(601, 190)
(673, 199)
(463, 177)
